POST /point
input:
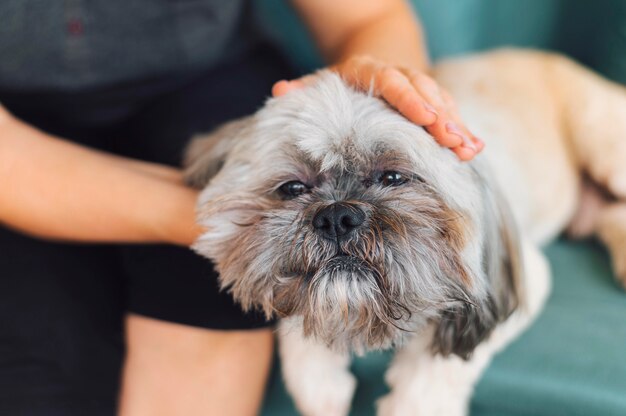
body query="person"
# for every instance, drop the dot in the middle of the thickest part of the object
(93, 122)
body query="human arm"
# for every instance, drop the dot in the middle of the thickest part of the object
(55, 189)
(381, 41)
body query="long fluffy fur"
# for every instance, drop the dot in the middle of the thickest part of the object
(438, 265)
(421, 256)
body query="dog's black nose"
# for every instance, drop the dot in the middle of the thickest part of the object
(338, 220)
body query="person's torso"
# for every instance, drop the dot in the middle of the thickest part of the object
(82, 44)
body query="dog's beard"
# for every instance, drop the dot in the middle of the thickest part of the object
(364, 293)
(444, 252)
(347, 302)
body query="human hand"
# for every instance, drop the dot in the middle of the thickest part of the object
(413, 93)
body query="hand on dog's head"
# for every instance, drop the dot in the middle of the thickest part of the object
(330, 206)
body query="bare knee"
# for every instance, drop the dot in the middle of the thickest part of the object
(174, 369)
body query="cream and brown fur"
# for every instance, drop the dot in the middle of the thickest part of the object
(444, 266)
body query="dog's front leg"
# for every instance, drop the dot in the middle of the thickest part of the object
(318, 379)
(426, 384)
(611, 228)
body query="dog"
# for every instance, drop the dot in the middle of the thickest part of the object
(331, 211)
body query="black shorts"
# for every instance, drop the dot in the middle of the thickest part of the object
(62, 305)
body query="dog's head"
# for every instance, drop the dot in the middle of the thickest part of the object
(330, 206)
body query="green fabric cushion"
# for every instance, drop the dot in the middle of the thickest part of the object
(571, 362)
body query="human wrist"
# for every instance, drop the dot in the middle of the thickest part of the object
(178, 223)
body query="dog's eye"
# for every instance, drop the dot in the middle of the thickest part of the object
(293, 189)
(392, 178)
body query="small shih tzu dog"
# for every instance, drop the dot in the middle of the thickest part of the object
(330, 210)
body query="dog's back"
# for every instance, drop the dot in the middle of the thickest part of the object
(546, 120)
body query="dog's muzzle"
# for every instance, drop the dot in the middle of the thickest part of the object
(338, 221)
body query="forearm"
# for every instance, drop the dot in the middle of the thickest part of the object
(386, 30)
(378, 46)
(395, 38)
(55, 189)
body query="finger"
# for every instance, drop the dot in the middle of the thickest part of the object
(448, 133)
(426, 86)
(469, 140)
(480, 145)
(390, 84)
(398, 91)
(282, 87)
(457, 127)
(454, 112)
(463, 153)
(443, 132)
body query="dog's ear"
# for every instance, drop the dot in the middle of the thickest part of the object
(205, 154)
(471, 320)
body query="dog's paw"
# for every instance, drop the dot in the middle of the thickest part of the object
(612, 230)
(591, 203)
(397, 405)
(616, 183)
(326, 397)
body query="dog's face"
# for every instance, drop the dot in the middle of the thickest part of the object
(329, 206)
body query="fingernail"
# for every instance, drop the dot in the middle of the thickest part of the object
(430, 109)
(467, 143)
(452, 128)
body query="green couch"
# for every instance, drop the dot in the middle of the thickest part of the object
(572, 361)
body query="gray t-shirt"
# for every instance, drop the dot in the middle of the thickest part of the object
(83, 44)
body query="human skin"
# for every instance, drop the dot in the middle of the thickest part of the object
(385, 51)
(58, 190)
